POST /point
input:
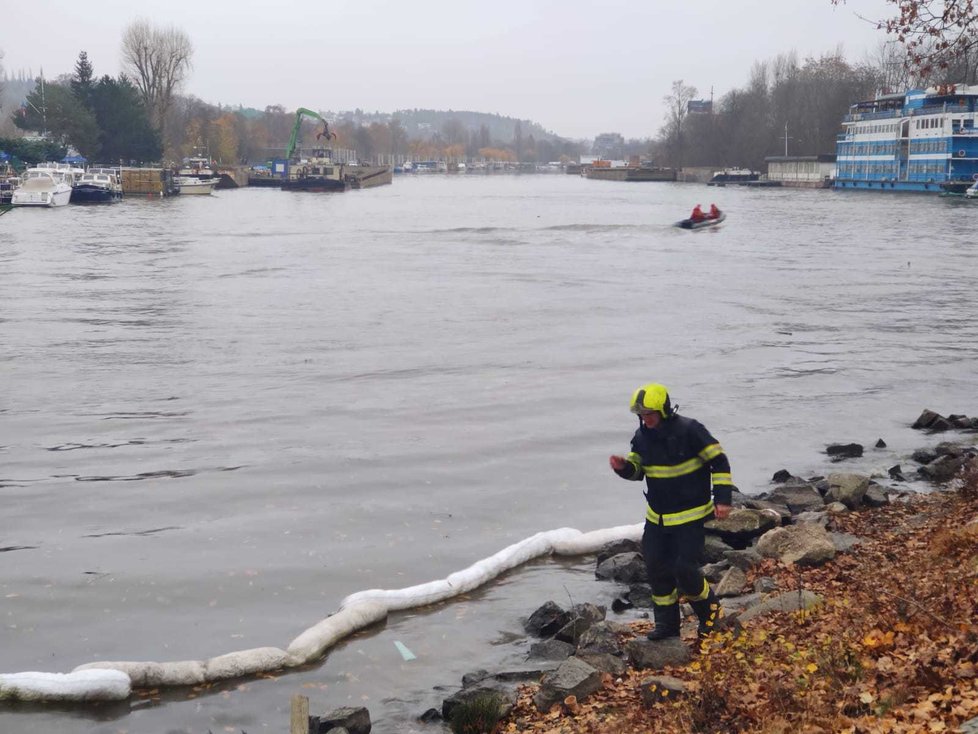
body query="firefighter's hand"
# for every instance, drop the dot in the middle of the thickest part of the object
(721, 511)
(617, 462)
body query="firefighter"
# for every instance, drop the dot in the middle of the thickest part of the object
(688, 481)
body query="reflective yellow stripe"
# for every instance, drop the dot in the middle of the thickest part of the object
(676, 470)
(722, 478)
(702, 595)
(710, 452)
(697, 513)
(679, 518)
(664, 601)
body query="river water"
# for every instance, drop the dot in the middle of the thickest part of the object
(221, 415)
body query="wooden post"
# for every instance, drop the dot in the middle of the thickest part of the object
(300, 715)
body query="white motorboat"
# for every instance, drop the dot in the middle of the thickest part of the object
(194, 185)
(972, 191)
(43, 187)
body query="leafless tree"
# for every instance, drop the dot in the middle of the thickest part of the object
(157, 61)
(889, 60)
(677, 108)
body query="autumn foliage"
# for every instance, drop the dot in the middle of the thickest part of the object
(893, 648)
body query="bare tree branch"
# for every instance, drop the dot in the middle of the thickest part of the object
(935, 33)
(157, 61)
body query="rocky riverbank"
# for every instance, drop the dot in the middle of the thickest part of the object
(850, 604)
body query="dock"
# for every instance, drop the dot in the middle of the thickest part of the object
(628, 173)
(150, 181)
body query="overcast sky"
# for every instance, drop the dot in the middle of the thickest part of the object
(577, 67)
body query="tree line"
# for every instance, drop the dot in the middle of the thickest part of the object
(787, 107)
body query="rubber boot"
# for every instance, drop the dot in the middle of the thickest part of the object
(708, 612)
(666, 622)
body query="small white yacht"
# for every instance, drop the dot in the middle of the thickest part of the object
(43, 187)
(194, 185)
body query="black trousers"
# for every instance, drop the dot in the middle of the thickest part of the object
(672, 558)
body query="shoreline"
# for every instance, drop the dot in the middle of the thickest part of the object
(609, 678)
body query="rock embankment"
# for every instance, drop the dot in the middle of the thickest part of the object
(776, 553)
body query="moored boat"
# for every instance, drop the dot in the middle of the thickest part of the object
(97, 186)
(918, 140)
(197, 166)
(7, 186)
(9, 180)
(42, 187)
(733, 176)
(193, 185)
(317, 172)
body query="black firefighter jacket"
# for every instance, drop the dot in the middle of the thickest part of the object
(685, 471)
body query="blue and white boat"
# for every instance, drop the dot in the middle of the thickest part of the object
(920, 140)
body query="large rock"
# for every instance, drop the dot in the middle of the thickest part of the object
(660, 689)
(732, 583)
(550, 650)
(640, 596)
(924, 456)
(759, 503)
(600, 637)
(816, 518)
(546, 620)
(945, 468)
(875, 496)
(741, 525)
(840, 451)
(799, 498)
(573, 678)
(849, 489)
(714, 549)
(624, 545)
(744, 559)
(844, 542)
(355, 719)
(506, 697)
(625, 568)
(714, 571)
(789, 601)
(644, 654)
(806, 545)
(582, 616)
(605, 662)
(925, 419)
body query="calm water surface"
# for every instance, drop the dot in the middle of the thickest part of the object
(221, 415)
